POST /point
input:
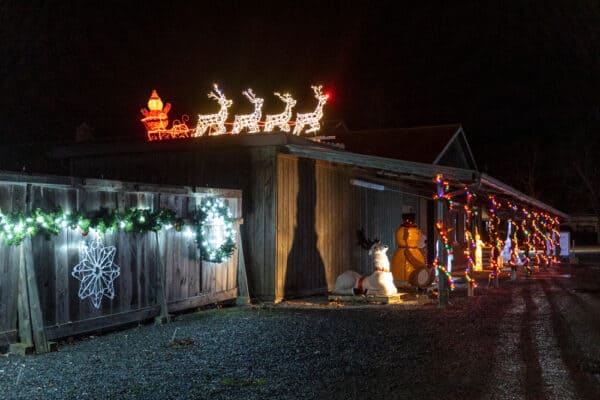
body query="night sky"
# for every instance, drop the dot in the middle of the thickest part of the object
(523, 79)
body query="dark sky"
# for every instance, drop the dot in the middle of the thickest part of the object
(511, 72)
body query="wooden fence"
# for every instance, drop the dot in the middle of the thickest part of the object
(162, 268)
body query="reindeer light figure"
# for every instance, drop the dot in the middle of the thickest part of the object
(249, 121)
(208, 121)
(282, 120)
(312, 119)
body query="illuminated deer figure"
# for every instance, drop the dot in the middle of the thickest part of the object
(249, 121)
(282, 120)
(312, 119)
(206, 122)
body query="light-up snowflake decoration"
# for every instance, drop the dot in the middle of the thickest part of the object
(96, 271)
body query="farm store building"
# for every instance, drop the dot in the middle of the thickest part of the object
(303, 199)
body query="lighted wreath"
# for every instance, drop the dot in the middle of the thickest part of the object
(216, 235)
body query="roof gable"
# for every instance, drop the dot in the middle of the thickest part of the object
(440, 145)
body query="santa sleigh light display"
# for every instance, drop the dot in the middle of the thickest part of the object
(156, 118)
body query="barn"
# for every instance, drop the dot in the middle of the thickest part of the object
(304, 198)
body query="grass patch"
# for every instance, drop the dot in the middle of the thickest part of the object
(180, 343)
(242, 383)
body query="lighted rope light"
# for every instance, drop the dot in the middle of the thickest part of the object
(96, 271)
(216, 234)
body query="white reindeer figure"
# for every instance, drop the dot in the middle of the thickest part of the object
(217, 120)
(312, 119)
(249, 121)
(282, 120)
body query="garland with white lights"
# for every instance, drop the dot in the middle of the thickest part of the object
(14, 227)
(215, 235)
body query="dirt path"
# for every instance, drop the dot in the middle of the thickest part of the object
(549, 340)
(535, 338)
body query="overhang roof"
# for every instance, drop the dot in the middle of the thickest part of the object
(475, 180)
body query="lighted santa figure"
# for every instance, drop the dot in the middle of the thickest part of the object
(156, 116)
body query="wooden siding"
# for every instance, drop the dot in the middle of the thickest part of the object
(318, 214)
(189, 281)
(250, 169)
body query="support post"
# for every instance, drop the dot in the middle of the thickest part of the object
(164, 317)
(242, 279)
(513, 272)
(443, 259)
(470, 290)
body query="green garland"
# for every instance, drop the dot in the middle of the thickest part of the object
(14, 227)
(214, 212)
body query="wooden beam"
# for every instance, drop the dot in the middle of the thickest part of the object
(202, 300)
(104, 323)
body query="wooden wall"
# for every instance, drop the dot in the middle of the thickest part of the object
(318, 214)
(189, 281)
(250, 169)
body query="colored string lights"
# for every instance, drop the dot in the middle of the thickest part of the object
(531, 236)
(443, 271)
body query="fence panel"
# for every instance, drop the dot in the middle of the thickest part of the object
(190, 282)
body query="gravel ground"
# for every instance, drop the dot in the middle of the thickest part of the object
(535, 338)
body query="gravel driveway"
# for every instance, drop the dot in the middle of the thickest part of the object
(534, 338)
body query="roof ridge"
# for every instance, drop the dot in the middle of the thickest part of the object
(457, 126)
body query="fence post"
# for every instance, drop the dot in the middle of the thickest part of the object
(242, 279)
(30, 316)
(162, 290)
(35, 310)
(25, 344)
